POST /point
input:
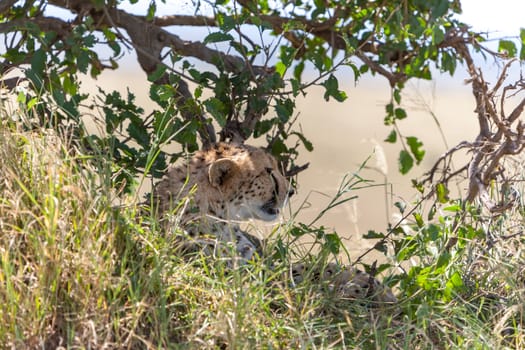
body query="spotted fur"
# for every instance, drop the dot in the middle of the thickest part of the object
(346, 282)
(223, 185)
(218, 188)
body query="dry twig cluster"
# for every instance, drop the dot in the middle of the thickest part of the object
(500, 134)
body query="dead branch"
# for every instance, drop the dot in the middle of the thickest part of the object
(443, 160)
(498, 137)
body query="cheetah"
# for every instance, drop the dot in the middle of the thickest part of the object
(346, 282)
(228, 183)
(224, 185)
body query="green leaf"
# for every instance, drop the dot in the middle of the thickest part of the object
(280, 68)
(332, 89)
(409, 247)
(287, 55)
(38, 62)
(298, 231)
(453, 286)
(455, 208)
(83, 60)
(397, 96)
(198, 92)
(278, 147)
(419, 220)
(332, 243)
(217, 109)
(432, 212)
(406, 162)
(507, 47)
(448, 63)
(371, 234)
(392, 137)
(401, 206)
(381, 247)
(161, 93)
(298, 71)
(441, 193)
(69, 85)
(139, 133)
(434, 232)
(110, 36)
(243, 50)
(328, 63)
(296, 86)
(437, 35)
(21, 98)
(455, 281)
(157, 73)
(15, 56)
(195, 74)
(389, 107)
(418, 186)
(400, 113)
(89, 40)
(226, 23)
(284, 109)
(440, 8)
(152, 9)
(262, 127)
(217, 37)
(415, 147)
(307, 144)
(355, 69)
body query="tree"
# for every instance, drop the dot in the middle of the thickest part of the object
(252, 80)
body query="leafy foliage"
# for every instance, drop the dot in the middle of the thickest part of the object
(253, 80)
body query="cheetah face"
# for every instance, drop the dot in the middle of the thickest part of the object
(262, 197)
(251, 188)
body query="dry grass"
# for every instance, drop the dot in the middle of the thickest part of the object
(77, 273)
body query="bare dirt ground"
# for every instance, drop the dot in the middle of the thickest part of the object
(345, 135)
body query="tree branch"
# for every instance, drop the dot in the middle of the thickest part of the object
(497, 138)
(54, 24)
(149, 39)
(183, 20)
(6, 5)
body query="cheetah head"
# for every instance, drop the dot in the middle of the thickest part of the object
(252, 185)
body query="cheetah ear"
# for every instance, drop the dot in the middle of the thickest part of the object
(221, 170)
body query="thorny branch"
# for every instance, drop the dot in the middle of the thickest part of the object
(499, 135)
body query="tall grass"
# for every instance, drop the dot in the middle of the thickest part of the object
(77, 272)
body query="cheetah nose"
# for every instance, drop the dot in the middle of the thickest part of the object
(291, 192)
(273, 211)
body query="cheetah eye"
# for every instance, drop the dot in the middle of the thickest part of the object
(268, 170)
